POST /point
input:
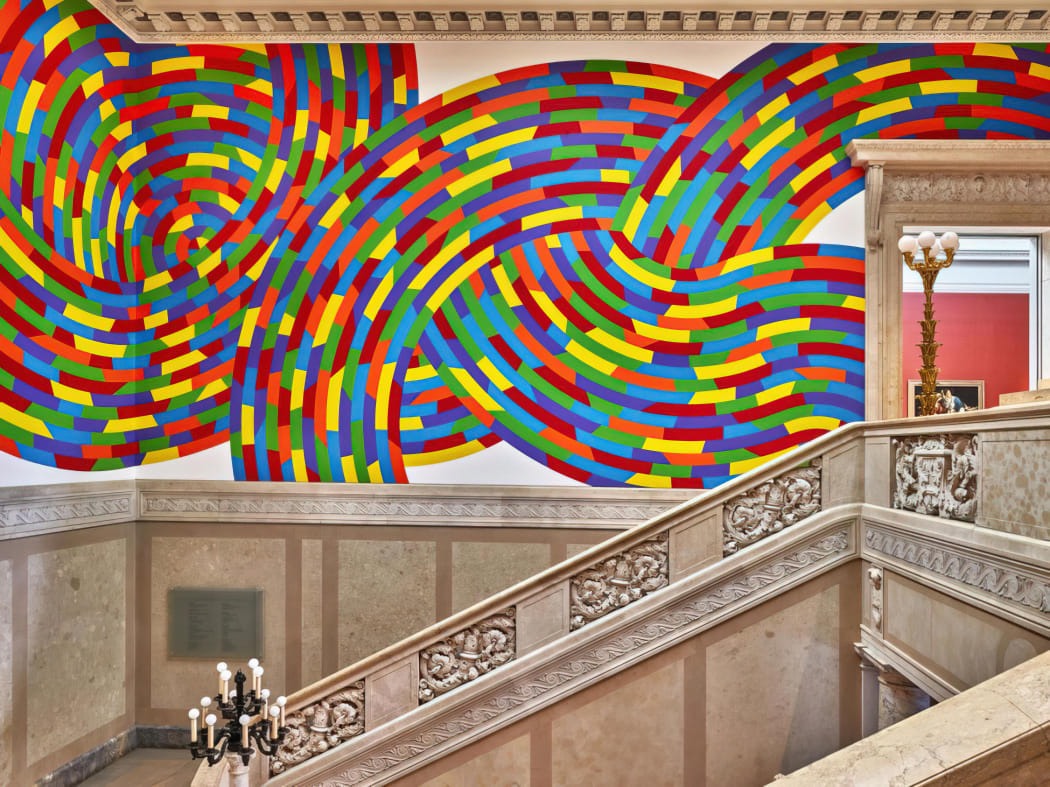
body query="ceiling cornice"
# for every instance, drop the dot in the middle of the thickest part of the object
(175, 21)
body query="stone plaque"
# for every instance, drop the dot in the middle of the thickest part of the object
(205, 623)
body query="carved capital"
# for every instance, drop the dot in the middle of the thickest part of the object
(617, 581)
(770, 507)
(936, 475)
(317, 728)
(466, 655)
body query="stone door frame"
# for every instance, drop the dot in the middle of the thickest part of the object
(935, 183)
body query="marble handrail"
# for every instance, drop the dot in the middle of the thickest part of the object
(993, 733)
(566, 597)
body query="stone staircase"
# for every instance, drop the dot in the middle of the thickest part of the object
(905, 495)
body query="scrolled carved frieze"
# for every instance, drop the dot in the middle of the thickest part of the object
(1006, 581)
(617, 581)
(317, 728)
(466, 655)
(936, 475)
(770, 507)
(958, 187)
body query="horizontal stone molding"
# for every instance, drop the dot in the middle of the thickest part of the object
(992, 581)
(399, 505)
(29, 511)
(274, 22)
(605, 647)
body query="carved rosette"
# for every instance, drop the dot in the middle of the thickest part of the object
(317, 728)
(936, 475)
(466, 655)
(770, 507)
(617, 581)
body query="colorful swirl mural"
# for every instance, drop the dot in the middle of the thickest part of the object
(601, 263)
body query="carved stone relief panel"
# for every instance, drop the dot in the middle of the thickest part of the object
(972, 187)
(466, 655)
(936, 475)
(617, 581)
(770, 507)
(317, 728)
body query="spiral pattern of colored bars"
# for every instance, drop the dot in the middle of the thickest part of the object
(601, 263)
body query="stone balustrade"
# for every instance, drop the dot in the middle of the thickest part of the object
(894, 462)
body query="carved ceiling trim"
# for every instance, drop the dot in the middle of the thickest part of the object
(152, 22)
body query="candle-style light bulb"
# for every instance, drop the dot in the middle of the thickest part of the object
(224, 685)
(205, 702)
(275, 711)
(265, 694)
(194, 715)
(257, 674)
(210, 721)
(253, 663)
(244, 719)
(220, 667)
(281, 703)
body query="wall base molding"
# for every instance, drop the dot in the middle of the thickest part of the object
(102, 756)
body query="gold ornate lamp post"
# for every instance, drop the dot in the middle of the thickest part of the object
(928, 267)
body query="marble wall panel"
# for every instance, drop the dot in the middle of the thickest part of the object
(877, 471)
(505, 766)
(773, 693)
(192, 562)
(386, 593)
(76, 643)
(696, 544)
(311, 611)
(635, 734)
(6, 672)
(1015, 487)
(481, 569)
(844, 476)
(962, 644)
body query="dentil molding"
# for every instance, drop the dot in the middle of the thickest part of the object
(167, 21)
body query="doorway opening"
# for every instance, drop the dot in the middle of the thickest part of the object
(989, 306)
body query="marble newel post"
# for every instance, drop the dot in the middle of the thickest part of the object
(899, 698)
(239, 772)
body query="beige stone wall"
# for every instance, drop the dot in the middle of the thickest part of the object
(66, 647)
(764, 693)
(956, 642)
(332, 594)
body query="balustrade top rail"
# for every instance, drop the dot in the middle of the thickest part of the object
(634, 563)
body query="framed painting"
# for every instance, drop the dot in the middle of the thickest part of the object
(956, 396)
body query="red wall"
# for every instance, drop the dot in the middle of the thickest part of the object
(982, 336)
